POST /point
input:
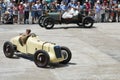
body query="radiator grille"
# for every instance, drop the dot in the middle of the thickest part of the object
(58, 51)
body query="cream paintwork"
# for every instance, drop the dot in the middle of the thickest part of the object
(33, 44)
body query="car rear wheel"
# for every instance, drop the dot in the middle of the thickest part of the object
(40, 21)
(48, 23)
(41, 58)
(8, 49)
(67, 54)
(88, 22)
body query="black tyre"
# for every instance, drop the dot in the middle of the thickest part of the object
(67, 54)
(41, 58)
(40, 21)
(8, 49)
(48, 23)
(88, 22)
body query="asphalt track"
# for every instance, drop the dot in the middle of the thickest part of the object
(95, 53)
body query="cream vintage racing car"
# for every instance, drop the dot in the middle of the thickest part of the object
(43, 52)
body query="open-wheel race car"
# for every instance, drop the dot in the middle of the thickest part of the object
(43, 52)
(50, 19)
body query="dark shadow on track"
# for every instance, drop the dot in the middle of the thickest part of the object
(24, 56)
(58, 65)
(50, 66)
(71, 27)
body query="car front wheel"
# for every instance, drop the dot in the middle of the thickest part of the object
(8, 49)
(67, 54)
(41, 58)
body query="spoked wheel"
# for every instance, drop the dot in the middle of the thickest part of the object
(88, 22)
(48, 23)
(41, 58)
(67, 54)
(8, 49)
(40, 21)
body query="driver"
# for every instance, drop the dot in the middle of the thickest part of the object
(72, 10)
(24, 36)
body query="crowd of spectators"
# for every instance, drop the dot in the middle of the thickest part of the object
(23, 10)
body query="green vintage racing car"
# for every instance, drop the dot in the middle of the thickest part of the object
(43, 52)
(48, 20)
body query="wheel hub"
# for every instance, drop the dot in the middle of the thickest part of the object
(65, 54)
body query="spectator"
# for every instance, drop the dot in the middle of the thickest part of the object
(110, 3)
(3, 7)
(0, 13)
(92, 2)
(88, 7)
(113, 13)
(119, 12)
(79, 6)
(10, 10)
(33, 11)
(71, 4)
(83, 9)
(45, 7)
(97, 8)
(37, 5)
(63, 6)
(21, 12)
(10, 3)
(53, 7)
(103, 12)
(57, 5)
(15, 13)
(40, 7)
(7, 17)
(107, 12)
(26, 12)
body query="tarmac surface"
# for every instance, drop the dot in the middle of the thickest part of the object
(95, 53)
